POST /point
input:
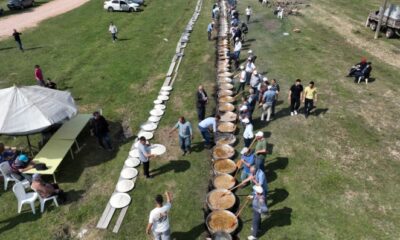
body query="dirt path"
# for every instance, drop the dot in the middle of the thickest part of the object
(33, 18)
(345, 27)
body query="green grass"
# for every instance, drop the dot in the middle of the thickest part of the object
(332, 176)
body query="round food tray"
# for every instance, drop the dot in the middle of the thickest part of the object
(157, 149)
(132, 162)
(125, 186)
(163, 98)
(147, 135)
(154, 119)
(156, 112)
(120, 200)
(129, 173)
(159, 106)
(166, 88)
(157, 101)
(164, 93)
(149, 126)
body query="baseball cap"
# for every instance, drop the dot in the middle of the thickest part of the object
(259, 134)
(258, 189)
(244, 150)
(245, 120)
(242, 108)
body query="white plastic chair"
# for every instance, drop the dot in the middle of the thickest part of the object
(5, 171)
(24, 197)
(44, 200)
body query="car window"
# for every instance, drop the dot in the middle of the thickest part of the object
(122, 2)
(114, 1)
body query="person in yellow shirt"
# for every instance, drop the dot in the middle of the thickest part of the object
(309, 98)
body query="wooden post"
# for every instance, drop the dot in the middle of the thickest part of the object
(381, 13)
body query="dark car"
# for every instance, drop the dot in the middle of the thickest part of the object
(19, 4)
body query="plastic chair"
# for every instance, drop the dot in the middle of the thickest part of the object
(44, 200)
(5, 171)
(24, 197)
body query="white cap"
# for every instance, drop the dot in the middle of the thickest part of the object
(265, 79)
(258, 189)
(242, 108)
(259, 134)
(269, 87)
(255, 72)
(250, 51)
(242, 67)
(244, 150)
(249, 58)
(245, 120)
(236, 38)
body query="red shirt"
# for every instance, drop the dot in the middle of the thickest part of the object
(38, 74)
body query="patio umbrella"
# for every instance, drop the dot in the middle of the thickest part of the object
(31, 109)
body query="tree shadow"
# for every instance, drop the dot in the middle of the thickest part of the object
(279, 218)
(277, 195)
(175, 165)
(193, 233)
(22, 218)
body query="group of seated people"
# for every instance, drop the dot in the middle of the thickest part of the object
(19, 163)
(361, 71)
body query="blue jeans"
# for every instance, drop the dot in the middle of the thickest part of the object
(256, 223)
(105, 141)
(162, 236)
(260, 162)
(184, 143)
(206, 135)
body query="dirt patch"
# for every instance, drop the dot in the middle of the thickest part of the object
(272, 25)
(170, 142)
(148, 86)
(345, 27)
(206, 58)
(88, 108)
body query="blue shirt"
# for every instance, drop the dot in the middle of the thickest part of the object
(269, 96)
(262, 180)
(210, 27)
(248, 159)
(143, 149)
(185, 129)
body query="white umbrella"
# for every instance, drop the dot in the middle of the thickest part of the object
(27, 110)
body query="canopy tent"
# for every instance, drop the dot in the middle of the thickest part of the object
(31, 109)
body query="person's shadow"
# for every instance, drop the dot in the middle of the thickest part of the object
(24, 217)
(193, 233)
(174, 165)
(277, 195)
(271, 167)
(279, 218)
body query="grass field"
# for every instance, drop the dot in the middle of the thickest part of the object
(332, 176)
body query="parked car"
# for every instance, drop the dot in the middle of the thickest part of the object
(19, 4)
(390, 21)
(120, 5)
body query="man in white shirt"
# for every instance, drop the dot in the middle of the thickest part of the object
(236, 51)
(204, 127)
(248, 134)
(113, 30)
(248, 13)
(250, 68)
(242, 80)
(158, 220)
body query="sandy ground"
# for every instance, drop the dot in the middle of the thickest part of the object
(33, 17)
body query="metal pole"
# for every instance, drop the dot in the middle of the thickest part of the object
(381, 12)
(29, 144)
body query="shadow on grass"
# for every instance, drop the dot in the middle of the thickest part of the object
(175, 165)
(279, 218)
(22, 218)
(7, 48)
(73, 196)
(271, 167)
(32, 48)
(277, 195)
(193, 233)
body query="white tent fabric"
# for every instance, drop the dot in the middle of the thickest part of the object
(30, 109)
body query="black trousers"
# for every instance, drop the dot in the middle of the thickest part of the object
(209, 36)
(308, 106)
(146, 166)
(294, 104)
(201, 112)
(248, 18)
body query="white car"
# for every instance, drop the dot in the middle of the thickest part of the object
(118, 5)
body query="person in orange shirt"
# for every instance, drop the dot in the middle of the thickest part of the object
(309, 98)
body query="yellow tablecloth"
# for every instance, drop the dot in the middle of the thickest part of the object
(52, 155)
(71, 129)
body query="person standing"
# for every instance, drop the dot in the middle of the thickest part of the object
(250, 68)
(242, 80)
(99, 128)
(309, 98)
(113, 30)
(39, 76)
(158, 219)
(185, 134)
(295, 96)
(145, 155)
(267, 102)
(249, 12)
(248, 134)
(204, 127)
(210, 29)
(247, 161)
(275, 87)
(260, 151)
(259, 207)
(17, 39)
(201, 103)
(236, 51)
